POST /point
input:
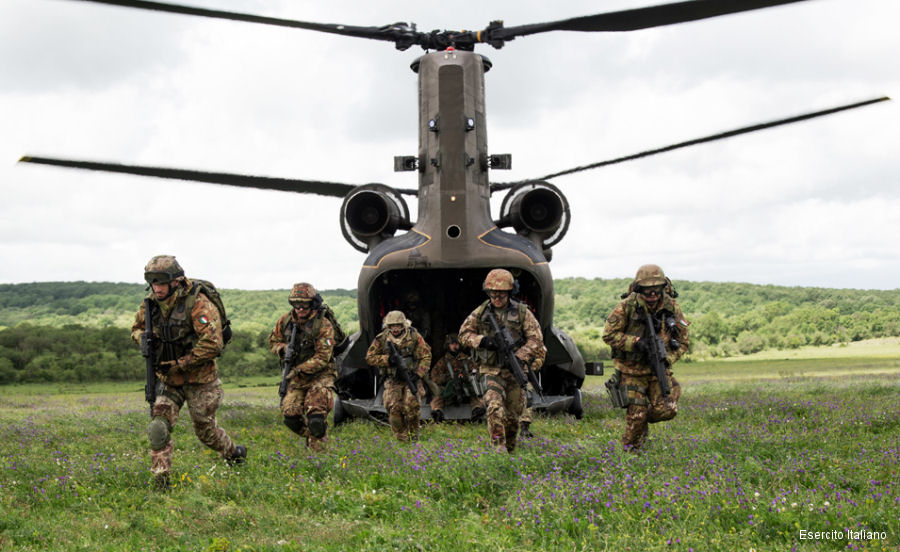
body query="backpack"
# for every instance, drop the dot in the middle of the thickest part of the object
(209, 290)
(340, 336)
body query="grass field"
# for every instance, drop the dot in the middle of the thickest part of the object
(764, 454)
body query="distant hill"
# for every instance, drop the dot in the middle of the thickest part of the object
(69, 331)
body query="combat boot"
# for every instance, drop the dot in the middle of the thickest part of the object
(478, 413)
(239, 456)
(437, 416)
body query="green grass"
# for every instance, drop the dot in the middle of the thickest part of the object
(760, 451)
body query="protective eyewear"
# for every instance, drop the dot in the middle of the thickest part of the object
(301, 305)
(650, 290)
(157, 277)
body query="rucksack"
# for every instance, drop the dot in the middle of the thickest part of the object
(340, 336)
(209, 290)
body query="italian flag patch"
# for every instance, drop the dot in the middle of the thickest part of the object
(203, 319)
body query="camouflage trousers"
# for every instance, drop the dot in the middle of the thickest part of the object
(527, 416)
(203, 401)
(646, 405)
(505, 401)
(404, 410)
(309, 396)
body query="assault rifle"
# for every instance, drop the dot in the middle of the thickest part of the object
(403, 372)
(148, 353)
(508, 358)
(287, 364)
(656, 354)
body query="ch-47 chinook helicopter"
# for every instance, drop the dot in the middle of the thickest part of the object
(445, 254)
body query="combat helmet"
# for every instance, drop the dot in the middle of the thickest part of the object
(394, 317)
(302, 293)
(649, 275)
(451, 338)
(162, 269)
(499, 279)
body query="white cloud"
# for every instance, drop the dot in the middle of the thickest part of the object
(810, 204)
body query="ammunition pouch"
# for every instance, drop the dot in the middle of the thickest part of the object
(618, 395)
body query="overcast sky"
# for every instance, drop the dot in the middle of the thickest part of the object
(812, 204)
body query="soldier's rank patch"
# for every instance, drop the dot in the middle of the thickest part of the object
(203, 319)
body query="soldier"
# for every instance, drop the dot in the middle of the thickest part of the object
(417, 314)
(626, 333)
(457, 379)
(401, 403)
(310, 390)
(186, 339)
(504, 397)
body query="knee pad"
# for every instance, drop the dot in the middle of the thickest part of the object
(159, 433)
(294, 423)
(317, 425)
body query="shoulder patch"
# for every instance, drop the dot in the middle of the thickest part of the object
(203, 319)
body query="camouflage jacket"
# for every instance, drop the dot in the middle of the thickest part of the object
(522, 324)
(625, 325)
(314, 347)
(192, 339)
(412, 347)
(461, 364)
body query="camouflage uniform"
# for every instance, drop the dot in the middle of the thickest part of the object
(188, 331)
(310, 394)
(504, 398)
(404, 409)
(463, 367)
(624, 327)
(417, 315)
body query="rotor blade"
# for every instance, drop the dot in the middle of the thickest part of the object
(388, 33)
(332, 189)
(640, 18)
(710, 138)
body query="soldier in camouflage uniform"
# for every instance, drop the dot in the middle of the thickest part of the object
(453, 375)
(401, 403)
(504, 397)
(187, 338)
(626, 334)
(310, 394)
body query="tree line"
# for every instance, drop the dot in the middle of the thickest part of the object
(80, 331)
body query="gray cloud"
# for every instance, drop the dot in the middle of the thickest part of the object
(812, 204)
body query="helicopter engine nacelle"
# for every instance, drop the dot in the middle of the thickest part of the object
(372, 213)
(536, 210)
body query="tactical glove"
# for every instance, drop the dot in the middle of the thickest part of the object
(279, 349)
(148, 343)
(489, 343)
(642, 347)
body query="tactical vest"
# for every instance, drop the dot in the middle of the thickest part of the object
(407, 351)
(513, 317)
(307, 333)
(636, 327)
(176, 331)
